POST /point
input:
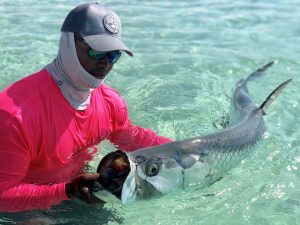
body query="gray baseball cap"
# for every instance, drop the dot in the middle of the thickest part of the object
(99, 26)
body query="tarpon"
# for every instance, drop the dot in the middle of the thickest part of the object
(192, 163)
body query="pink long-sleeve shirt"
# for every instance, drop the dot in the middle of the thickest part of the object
(44, 142)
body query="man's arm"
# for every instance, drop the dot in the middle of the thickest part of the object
(132, 137)
(129, 137)
(15, 156)
(15, 195)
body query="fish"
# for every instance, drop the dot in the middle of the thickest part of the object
(191, 163)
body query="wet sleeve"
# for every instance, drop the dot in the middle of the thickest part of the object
(129, 137)
(15, 157)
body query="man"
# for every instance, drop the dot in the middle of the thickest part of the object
(51, 120)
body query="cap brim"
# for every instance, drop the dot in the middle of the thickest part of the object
(106, 43)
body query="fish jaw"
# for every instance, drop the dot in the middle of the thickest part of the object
(129, 189)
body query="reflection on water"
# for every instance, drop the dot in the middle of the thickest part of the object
(69, 212)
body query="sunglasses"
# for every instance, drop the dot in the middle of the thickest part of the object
(113, 56)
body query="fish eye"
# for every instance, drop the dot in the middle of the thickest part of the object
(152, 169)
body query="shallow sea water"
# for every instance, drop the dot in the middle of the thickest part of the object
(188, 56)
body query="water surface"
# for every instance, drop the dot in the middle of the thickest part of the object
(188, 55)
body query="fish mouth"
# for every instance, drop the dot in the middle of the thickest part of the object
(113, 169)
(121, 180)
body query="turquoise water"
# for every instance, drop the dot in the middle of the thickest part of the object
(188, 55)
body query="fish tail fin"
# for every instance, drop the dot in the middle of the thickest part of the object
(260, 71)
(273, 95)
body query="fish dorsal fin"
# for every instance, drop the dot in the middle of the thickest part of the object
(273, 95)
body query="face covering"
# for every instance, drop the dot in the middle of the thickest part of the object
(75, 83)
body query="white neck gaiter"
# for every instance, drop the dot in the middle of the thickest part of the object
(75, 83)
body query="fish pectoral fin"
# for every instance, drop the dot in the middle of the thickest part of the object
(189, 160)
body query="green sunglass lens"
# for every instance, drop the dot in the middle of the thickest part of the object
(96, 55)
(114, 56)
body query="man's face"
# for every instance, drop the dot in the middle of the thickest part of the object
(97, 68)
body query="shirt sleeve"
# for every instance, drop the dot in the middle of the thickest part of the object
(15, 157)
(129, 137)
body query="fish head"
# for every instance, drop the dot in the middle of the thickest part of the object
(150, 177)
(126, 178)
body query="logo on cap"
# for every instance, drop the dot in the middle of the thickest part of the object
(111, 23)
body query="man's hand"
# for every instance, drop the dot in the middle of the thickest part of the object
(81, 188)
